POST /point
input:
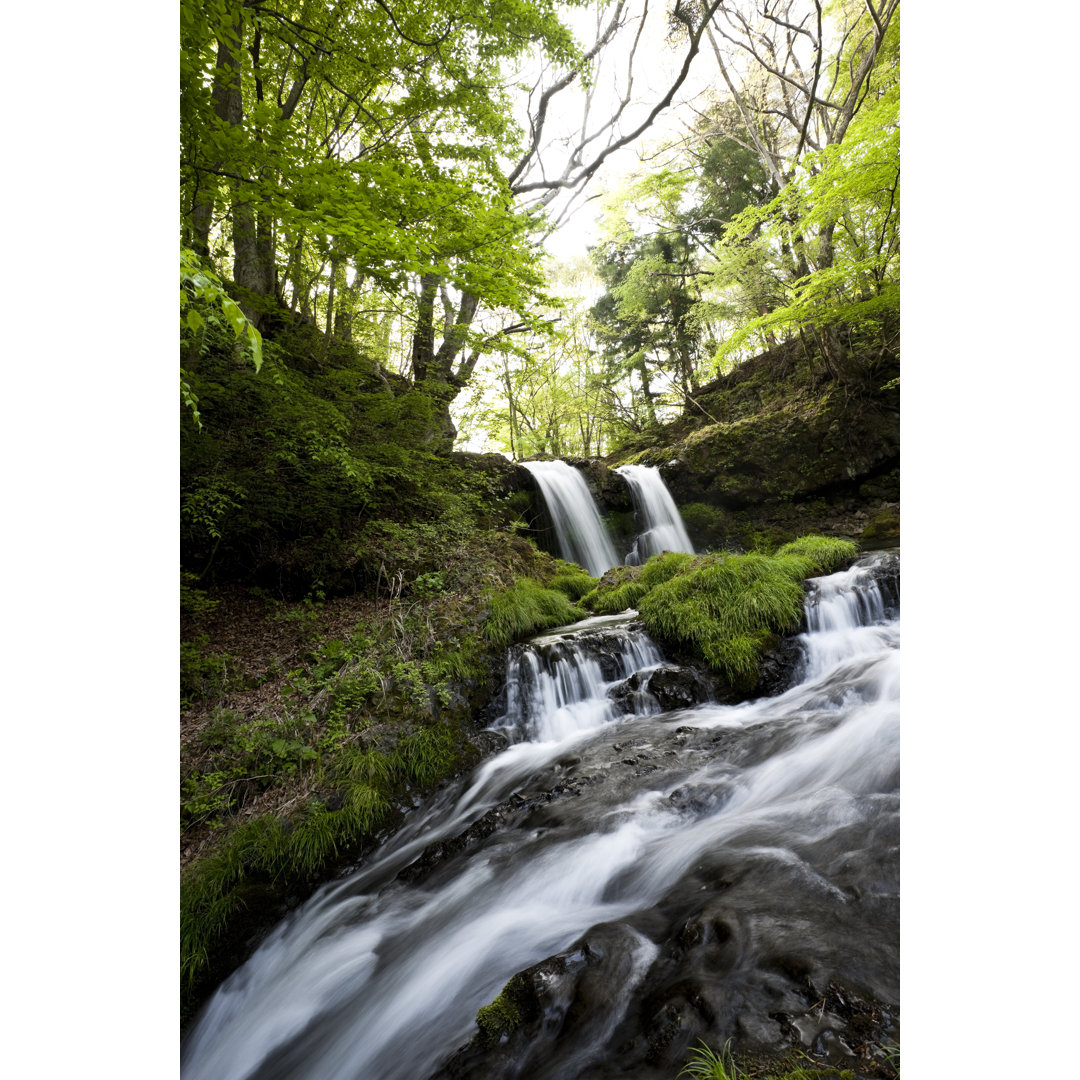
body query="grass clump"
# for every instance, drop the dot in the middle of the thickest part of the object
(616, 591)
(729, 609)
(707, 1064)
(525, 608)
(574, 582)
(624, 586)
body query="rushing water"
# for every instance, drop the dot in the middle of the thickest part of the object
(662, 528)
(581, 534)
(706, 873)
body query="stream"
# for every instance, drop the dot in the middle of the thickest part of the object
(657, 876)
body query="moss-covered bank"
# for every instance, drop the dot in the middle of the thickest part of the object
(775, 449)
(727, 609)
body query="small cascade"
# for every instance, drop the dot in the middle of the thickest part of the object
(662, 528)
(558, 684)
(582, 536)
(845, 613)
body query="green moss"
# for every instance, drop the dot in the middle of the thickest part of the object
(703, 522)
(504, 1014)
(883, 526)
(525, 608)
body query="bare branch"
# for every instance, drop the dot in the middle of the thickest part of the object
(537, 125)
(813, 89)
(879, 31)
(587, 171)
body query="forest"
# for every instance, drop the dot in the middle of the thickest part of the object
(424, 249)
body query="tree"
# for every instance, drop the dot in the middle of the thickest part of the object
(809, 92)
(323, 141)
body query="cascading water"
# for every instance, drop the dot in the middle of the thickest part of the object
(662, 527)
(581, 534)
(656, 878)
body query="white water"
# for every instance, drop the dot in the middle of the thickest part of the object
(662, 527)
(375, 979)
(582, 536)
(555, 691)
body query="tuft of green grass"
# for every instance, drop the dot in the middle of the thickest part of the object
(624, 586)
(525, 608)
(429, 754)
(575, 583)
(706, 1064)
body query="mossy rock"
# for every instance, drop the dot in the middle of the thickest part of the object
(885, 525)
(515, 1003)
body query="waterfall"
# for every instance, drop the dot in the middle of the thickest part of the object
(656, 878)
(662, 528)
(556, 685)
(582, 536)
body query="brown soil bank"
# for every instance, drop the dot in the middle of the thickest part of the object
(780, 447)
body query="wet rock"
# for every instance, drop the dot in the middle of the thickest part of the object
(542, 1005)
(669, 687)
(780, 668)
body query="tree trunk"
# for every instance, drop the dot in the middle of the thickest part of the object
(433, 372)
(250, 272)
(229, 108)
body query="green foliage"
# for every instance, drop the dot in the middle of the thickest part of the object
(705, 524)
(380, 151)
(812, 556)
(616, 591)
(203, 675)
(205, 303)
(429, 754)
(303, 474)
(525, 608)
(546, 391)
(575, 583)
(846, 201)
(194, 601)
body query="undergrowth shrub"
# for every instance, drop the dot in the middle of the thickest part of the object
(204, 675)
(296, 849)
